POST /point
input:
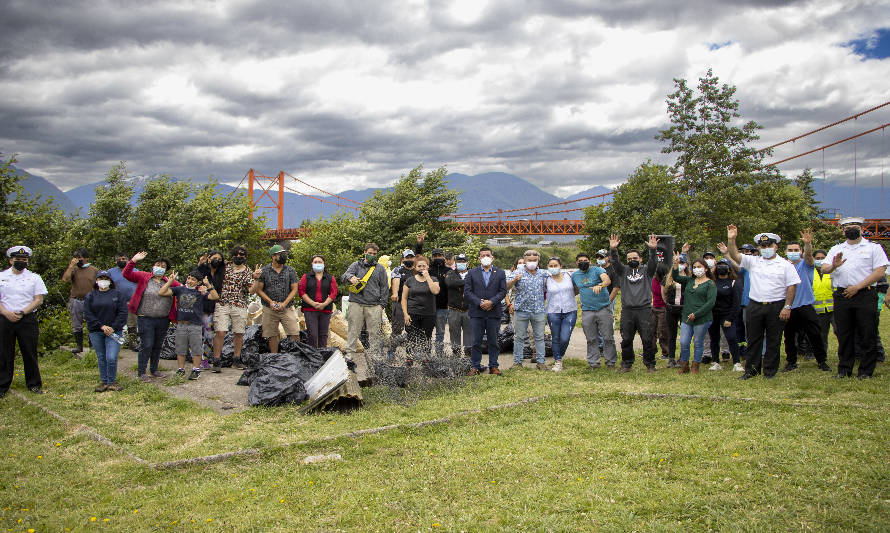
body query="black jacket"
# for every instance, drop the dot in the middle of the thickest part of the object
(438, 274)
(455, 286)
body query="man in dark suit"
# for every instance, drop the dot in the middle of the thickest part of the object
(484, 289)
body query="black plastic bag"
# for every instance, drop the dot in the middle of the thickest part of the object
(278, 378)
(505, 339)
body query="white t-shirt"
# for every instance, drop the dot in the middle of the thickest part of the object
(861, 260)
(561, 295)
(18, 290)
(769, 277)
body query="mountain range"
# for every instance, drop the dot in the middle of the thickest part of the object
(484, 192)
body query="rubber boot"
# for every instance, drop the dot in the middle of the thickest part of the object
(684, 367)
(78, 338)
(694, 369)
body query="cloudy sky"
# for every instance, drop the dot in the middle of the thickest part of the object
(564, 93)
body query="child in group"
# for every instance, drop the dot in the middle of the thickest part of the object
(190, 318)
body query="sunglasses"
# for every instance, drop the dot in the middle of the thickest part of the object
(237, 254)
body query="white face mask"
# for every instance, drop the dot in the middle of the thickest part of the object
(158, 271)
(817, 263)
(531, 265)
(486, 261)
(698, 271)
(767, 253)
(553, 270)
(710, 263)
(601, 262)
(461, 266)
(104, 283)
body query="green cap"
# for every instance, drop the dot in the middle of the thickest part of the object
(277, 249)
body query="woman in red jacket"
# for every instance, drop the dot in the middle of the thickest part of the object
(154, 312)
(317, 290)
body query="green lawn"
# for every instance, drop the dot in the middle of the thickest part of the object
(801, 452)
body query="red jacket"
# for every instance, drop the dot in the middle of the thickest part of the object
(141, 280)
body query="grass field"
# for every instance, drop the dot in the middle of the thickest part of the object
(592, 451)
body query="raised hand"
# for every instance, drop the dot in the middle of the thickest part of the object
(676, 258)
(722, 247)
(172, 275)
(73, 262)
(652, 242)
(202, 259)
(139, 257)
(686, 247)
(421, 235)
(838, 260)
(614, 241)
(257, 271)
(806, 236)
(731, 232)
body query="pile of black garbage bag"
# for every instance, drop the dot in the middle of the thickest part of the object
(505, 342)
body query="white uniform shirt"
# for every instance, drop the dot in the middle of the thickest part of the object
(18, 290)
(769, 277)
(862, 260)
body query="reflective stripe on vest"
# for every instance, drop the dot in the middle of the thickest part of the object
(824, 306)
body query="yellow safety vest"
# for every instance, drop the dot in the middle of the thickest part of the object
(822, 291)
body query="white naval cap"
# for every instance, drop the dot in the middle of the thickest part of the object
(851, 220)
(765, 238)
(18, 251)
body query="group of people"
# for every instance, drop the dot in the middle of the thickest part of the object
(751, 296)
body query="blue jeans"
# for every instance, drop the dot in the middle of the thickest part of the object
(687, 332)
(561, 327)
(441, 320)
(106, 355)
(490, 327)
(520, 332)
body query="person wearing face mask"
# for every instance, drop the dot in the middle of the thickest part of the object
(699, 296)
(803, 317)
(419, 307)
(562, 309)
(726, 311)
(824, 297)
(636, 302)
(459, 326)
(231, 309)
(596, 314)
(277, 287)
(318, 290)
(153, 310)
(82, 276)
(773, 284)
(368, 295)
(211, 265)
(710, 260)
(855, 266)
(484, 288)
(449, 260)
(529, 307)
(126, 288)
(190, 318)
(438, 270)
(21, 293)
(105, 309)
(397, 280)
(672, 294)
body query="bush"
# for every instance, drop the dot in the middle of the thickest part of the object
(55, 329)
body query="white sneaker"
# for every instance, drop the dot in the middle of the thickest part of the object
(557, 366)
(716, 366)
(738, 367)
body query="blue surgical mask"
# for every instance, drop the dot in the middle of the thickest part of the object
(553, 270)
(318, 267)
(767, 253)
(601, 262)
(461, 266)
(817, 263)
(794, 256)
(158, 271)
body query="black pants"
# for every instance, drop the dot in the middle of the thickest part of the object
(25, 332)
(879, 346)
(637, 321)
(729, 333)
(152, 332)
(673, 324)
(764, 324)
(419, 334)
(741, 334)
(826, 322)
(856, 316)
(804, 320)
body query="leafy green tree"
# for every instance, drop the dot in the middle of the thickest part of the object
(337, 238)
(106, 224)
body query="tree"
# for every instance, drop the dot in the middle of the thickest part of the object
(106, 224)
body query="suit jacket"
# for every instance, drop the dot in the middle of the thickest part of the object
(475, 291)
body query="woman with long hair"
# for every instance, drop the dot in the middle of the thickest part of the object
(699, 294)
(318, 290)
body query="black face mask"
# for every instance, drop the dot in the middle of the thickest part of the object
(633, 263)
(239, 259)
(282, 259)
(584, 265)
(20, 265)
(80, 263)
(439, 262)
(121, 264)
(408, 264)
(722, 270)
(216, 263)
(852, 233)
